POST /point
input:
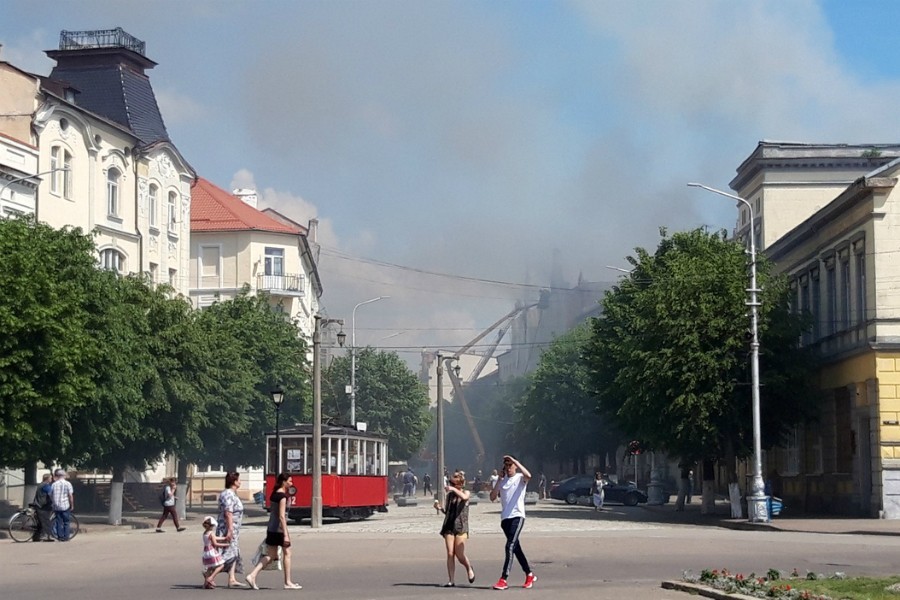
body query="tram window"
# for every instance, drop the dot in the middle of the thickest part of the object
(272, 460)
(353, 457)
(295, 456)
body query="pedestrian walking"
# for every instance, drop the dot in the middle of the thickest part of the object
(455, 529)
(231, 517)
(542, 486)
(510, 489)
(277, 535)
(167, 499)
(493, 479)
(62, 497)
(213, 563)
(597, 492)
(426, 484)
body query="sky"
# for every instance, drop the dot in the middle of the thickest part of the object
(450, 150)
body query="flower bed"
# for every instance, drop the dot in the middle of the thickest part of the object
(772, 585)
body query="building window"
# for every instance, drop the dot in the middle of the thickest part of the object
(831, 299)
(154, 272)
(861, 287)
(112, 260)
(790, 453)
(815, 307)
(173, 277)
(55, 156)
(173, 211)
(209, 261)
(112, 192)
(154, 205)
(275, 261)
(845, 293)
(67, 176)
(804, 305)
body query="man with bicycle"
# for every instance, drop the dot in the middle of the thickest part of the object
(43, 506)
(63, 497)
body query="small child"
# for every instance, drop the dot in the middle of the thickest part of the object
(212, 556)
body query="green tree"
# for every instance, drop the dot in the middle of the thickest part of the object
(47, 350)
(389, 399)
(265, 351)
(558, 416)
(669, 355)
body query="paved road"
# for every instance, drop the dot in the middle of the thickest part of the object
(621, 553)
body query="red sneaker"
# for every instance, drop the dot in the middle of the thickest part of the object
(501, 584)
(529, 581)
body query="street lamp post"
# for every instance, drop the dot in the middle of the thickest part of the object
(315, 519)
(277, 399)
(27, 177)
(757, 503)
(353, 358)
(440, 422)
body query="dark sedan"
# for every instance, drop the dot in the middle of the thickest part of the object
(569, 490)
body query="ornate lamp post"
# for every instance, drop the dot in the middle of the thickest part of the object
(277, 399)
(757, 505)
(315, 519)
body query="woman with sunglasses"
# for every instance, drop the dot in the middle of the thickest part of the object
(455, 529)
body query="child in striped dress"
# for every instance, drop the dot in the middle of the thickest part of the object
(212, 556)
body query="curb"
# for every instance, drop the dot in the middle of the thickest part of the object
(701, 590)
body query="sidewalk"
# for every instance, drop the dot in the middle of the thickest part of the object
(397, 517)
(691, 515)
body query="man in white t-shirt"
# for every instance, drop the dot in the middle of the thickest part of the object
(510, 488)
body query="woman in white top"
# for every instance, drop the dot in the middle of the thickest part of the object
(511, 491)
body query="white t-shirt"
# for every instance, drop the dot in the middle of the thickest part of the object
(512, 497)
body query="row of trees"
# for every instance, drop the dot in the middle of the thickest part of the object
(100, 371)
(667, 362)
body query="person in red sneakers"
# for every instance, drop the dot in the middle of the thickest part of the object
(510, 489)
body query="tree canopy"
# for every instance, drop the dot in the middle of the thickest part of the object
(389, 399)
(669, 355)
(558, 417)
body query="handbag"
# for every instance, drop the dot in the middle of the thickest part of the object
(263, 550)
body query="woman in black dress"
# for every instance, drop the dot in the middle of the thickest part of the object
(455, 529)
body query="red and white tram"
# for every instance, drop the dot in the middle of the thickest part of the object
(354, 471)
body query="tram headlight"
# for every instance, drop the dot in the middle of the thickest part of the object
(292, 491)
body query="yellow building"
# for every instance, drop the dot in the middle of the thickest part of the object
(828, 216)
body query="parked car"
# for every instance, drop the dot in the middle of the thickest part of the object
(569, 490)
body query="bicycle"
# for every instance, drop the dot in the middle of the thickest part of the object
(24, 526)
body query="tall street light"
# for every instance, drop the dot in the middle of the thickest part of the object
(277, 399)
(440, 421)
(353, 358)
(315, 517)
(757, 506)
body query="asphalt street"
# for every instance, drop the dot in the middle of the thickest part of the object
(576, 553)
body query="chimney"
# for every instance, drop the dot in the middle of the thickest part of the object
(247, 196)
(312, 232)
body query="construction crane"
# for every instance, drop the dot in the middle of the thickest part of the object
(504, 323)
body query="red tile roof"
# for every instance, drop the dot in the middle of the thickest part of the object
(214, 209)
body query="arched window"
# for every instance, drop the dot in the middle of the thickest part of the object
(112, 260)
(173, 211)
(61, 172)
(154, 205)
(112, 192)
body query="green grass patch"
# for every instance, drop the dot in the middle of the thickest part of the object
(851, 588)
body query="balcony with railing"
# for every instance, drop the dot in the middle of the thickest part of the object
(281, 285)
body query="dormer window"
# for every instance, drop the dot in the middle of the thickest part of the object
(113, 178)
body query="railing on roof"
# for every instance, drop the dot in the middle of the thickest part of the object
(100, 38)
